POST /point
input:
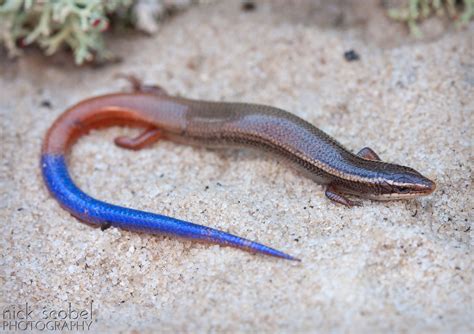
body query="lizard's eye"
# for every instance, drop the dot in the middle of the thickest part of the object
(403, 190)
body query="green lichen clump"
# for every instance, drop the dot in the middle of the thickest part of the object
(417, 10)
(53, 23)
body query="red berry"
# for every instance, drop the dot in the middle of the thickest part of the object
(96, 22)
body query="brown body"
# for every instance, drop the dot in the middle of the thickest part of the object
(221, 124)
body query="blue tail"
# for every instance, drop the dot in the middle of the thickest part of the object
(88, 209)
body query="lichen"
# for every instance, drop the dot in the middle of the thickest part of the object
(416, 10)
(51, 24)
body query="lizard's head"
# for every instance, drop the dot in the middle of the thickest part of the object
(400, 182)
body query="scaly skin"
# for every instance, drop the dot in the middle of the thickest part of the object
(214, 124)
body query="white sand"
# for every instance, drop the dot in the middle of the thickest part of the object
(400, 266)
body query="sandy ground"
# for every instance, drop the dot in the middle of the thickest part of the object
(399, 266)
